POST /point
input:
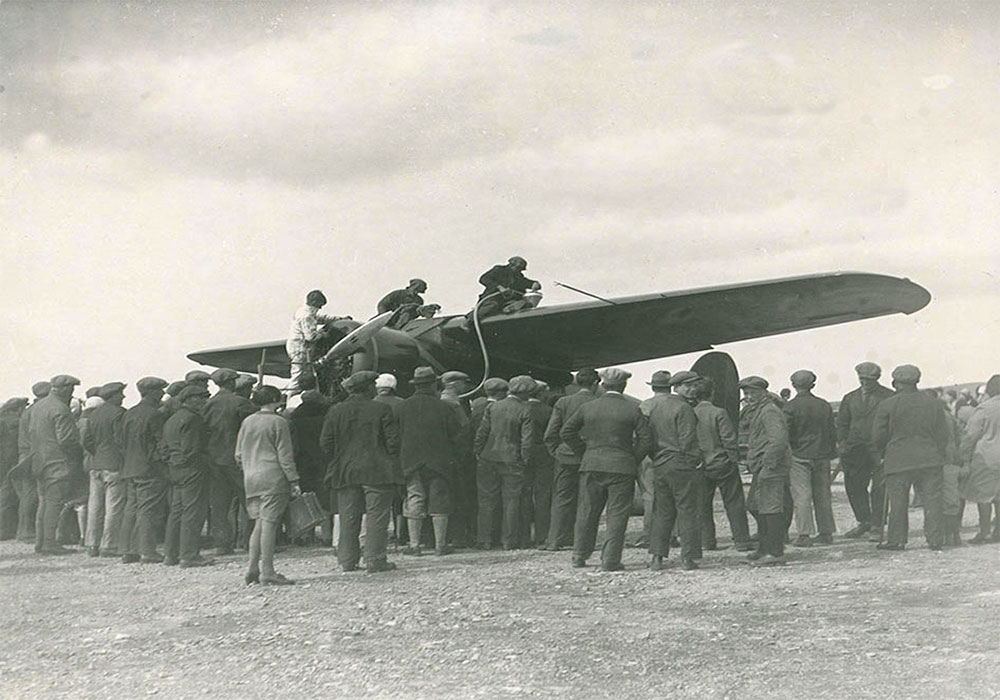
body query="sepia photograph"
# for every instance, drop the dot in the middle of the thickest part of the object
(475, 349)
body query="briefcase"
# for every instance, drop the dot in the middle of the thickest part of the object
(304, 513)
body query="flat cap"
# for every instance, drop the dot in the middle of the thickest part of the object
(802, 377)
(110, 389)
(192, 391)
(385, 380)
(541, 386)
(245, 380)
(521, 384)
(868, 370)
(175, 388)
(517, 260)
(495, 384)
(359, 380)
(93, 402)
(907, 374)
(614, 375)
(313, 396)
(14, 404)
(196, 375)
(41, 389)
(417, 282)
(92, 391)
(660, 379)
(63, 380)
(223, 375)
(148, 384)
(588, 375)
(423, 375)
(684, 377)
(454, 376)
(753, 382)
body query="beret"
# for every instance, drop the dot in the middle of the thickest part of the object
(454, 375)
(313, 396)
(868, 370)
(92, 391)
(359, 380)
(615, 375)
(223, 375)
(245, 380)
(192, 392)
(587, 376)
(753, 382)
(147, 384)
(93, 402)
(175, 388)
(14, 404)
(802, 377)
(196, 375)
(660, 378)
(422, 375)
(41, 389)
(683, 378)
(64, 380)
(908, 374)
(386, 380)
(521, 384)
(495, 384)
(110, 389)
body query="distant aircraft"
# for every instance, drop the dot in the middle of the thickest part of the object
(549, 343)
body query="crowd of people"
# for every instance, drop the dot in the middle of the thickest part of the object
(521, 466)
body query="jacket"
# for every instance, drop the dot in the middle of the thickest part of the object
(769, 455)
(856, 415)
(720, 451)
(142, 434)
(564, 408)
(9, 423)
(910, 432)
(674, 430)
(361, 440)
(811, 431)
(103, 437)
(264, 452)
(429, 435)
(306, 424)
(184, 439)
(541, 414)
(54, 440)
(506, 433)
(223, 414)
(504, 276)
(610, 434)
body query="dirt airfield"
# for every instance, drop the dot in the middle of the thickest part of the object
(842, 621)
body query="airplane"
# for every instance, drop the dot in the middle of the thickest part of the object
(548, 343)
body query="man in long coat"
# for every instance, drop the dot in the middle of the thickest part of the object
(980, 449)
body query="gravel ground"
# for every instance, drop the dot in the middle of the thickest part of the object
(839, 621)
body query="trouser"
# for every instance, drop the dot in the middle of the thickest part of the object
(862, 468)
(810, 485)
(598, 489)
(565, 491)
(462, 527)
(52, 494)
(645, 484)
(677, 497)
(143, 516)
(27, 507)
(985, 518)
(731, 489)
(226, 486)
(771, 529)
(298, 371)
(499, 487)
(188, 510)
(928, 483)
(536, 503)
(375, 503)
(105, 508)
(8, 509)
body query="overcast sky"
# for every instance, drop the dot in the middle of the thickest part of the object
(175, 176)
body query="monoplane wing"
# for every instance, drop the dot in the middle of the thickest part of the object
(632, 329)
(247, 358)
